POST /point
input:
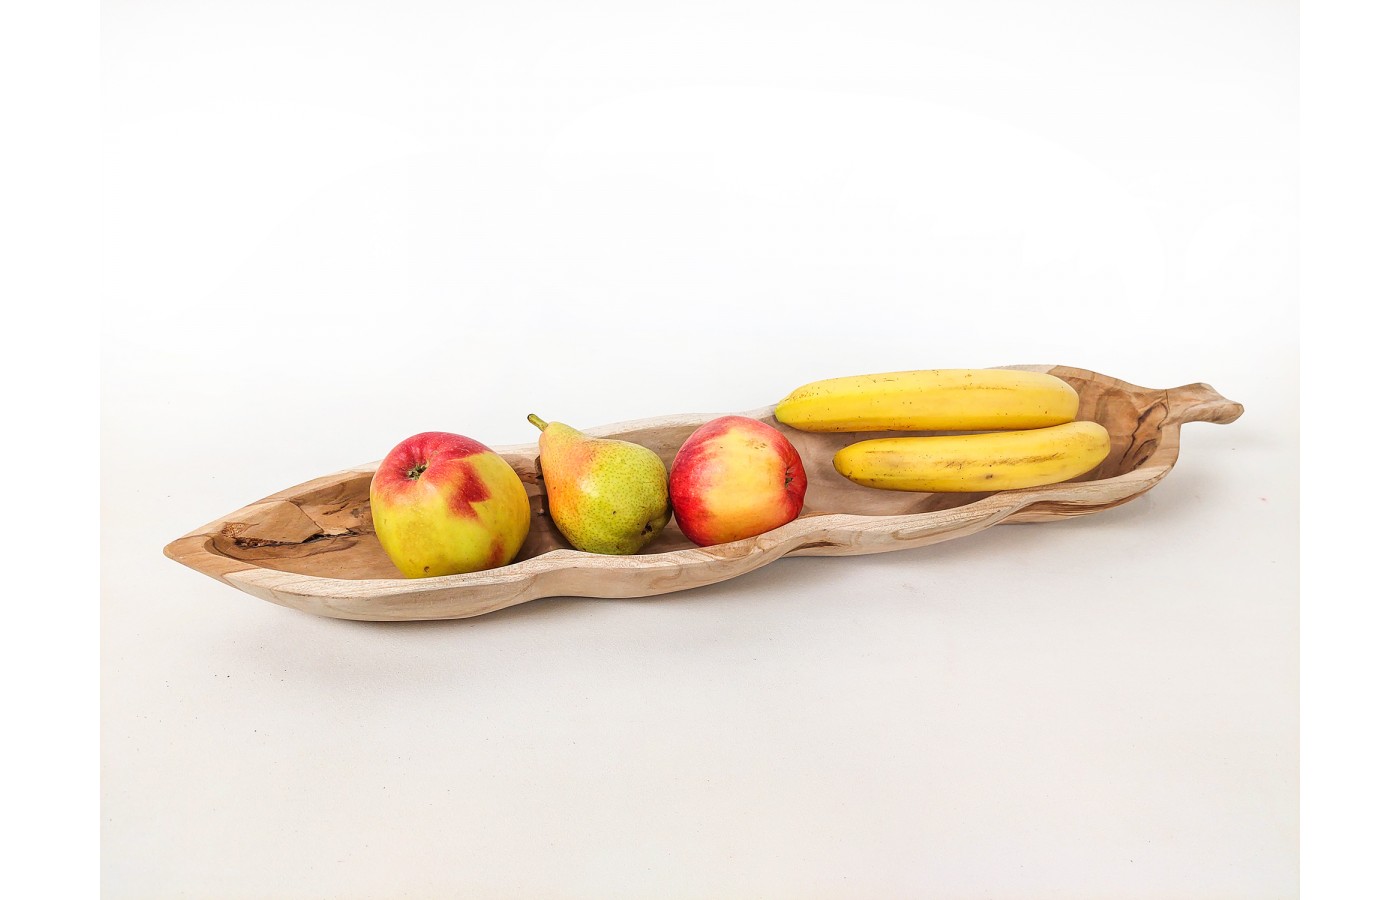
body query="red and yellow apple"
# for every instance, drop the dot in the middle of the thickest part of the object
(444, 504)
(733, 478)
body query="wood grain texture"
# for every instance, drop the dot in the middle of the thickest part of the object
(312, 547)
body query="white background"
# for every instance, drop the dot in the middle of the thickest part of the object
(329, 226)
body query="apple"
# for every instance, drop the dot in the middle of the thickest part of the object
(733, 478)
(444, 504)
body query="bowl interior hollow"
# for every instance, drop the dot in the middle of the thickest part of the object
(326, 530)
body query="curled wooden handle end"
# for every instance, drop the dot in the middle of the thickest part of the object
(1200, 402)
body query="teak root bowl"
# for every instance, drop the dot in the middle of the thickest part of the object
(312, 547)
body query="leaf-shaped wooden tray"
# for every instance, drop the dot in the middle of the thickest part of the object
(312, 547)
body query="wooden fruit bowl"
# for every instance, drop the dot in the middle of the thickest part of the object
(312, 547)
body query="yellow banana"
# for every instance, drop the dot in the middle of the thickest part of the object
(991, 461)
(931, 400)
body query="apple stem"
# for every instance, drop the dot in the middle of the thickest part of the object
(539, 423)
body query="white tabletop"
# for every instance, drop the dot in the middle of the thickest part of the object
(1105, 705)
(379, 232)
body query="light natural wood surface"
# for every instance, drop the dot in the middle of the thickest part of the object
(312, 547)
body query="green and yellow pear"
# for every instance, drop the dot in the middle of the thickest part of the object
(605, 496)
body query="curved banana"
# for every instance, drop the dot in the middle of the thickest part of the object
(931, 400)
(992, 461)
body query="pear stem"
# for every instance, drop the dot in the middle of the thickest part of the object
(539, 423)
